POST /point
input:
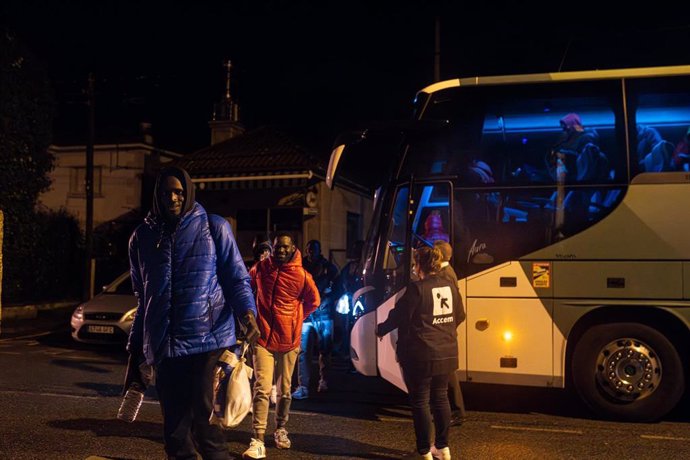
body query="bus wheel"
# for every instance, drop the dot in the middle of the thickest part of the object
(627, 371)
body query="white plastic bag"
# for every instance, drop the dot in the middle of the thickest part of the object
(232, 393)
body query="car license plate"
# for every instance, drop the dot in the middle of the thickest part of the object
(101, 329)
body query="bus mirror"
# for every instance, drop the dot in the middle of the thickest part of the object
(343, 141)
(333, 165)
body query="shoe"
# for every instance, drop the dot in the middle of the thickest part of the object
(281, 438)
(256, 450)
(323, 386)
(274, 396)
(300, 393)
(440, 454)
(457, 419)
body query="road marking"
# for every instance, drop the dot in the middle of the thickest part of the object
(524, 428)
(663, 438)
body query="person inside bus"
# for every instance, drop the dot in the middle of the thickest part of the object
(458, 415)
(572, 142)
(427, 317)
(647, 138)
(659, 159)
(681, 153)
(433, 228)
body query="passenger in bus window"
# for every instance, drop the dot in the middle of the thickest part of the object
(427, 317)
(647, 138)
(659, 159)
(681, 155)
(458, 415)
(434, 229)
(571, 143)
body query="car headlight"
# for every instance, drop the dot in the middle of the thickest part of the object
(129, 316)
(78, 313)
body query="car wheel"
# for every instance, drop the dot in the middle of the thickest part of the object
(627, 371)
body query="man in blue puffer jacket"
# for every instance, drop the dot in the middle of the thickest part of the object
(191, 284)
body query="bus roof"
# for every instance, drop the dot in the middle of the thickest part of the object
(559, 76)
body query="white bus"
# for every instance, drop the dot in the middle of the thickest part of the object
(566, 198)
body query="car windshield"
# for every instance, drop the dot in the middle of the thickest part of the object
(121, 286)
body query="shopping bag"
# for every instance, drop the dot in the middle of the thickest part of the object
(232, 393)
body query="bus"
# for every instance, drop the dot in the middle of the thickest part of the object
(565, 198)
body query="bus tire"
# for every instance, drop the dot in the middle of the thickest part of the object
(627, 371)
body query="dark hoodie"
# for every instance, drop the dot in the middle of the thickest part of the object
(159, 210)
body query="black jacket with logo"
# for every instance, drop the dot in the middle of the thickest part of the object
(427, 317)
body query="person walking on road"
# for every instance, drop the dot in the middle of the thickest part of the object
(318, 329)
(458, 416)
(427, 317)
(286, 294)
(191, 284)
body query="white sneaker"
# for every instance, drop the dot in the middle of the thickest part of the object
(440, 454)
(323, 386)
(301, 393)
(256, 450)
(281, 438)
(273, 396)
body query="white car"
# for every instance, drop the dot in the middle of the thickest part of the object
(107, 318)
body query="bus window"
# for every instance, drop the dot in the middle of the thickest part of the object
(396, 252)
(431, 215)
(660, 117)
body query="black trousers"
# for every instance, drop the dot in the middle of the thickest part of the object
(425, 393)
(185, 392)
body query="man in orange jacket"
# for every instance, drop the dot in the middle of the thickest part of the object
(285, 295)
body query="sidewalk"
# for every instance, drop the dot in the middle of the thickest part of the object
(34, 319)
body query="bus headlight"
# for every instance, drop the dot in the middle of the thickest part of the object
(343, 306)
(358, 309)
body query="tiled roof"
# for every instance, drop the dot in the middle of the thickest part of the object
(262, 150)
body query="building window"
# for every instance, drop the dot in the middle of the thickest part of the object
(77, 182)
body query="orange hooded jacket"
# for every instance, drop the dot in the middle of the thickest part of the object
(285, 295)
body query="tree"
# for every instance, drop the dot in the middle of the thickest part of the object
(26, 113)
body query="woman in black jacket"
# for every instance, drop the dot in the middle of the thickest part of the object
(427, 317)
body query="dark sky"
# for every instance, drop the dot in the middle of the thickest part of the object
(315, 67)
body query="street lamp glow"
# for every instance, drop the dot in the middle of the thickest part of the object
(507, 336)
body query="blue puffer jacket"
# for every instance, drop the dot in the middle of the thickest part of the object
(189, 283)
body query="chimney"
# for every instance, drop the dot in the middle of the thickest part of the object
(146, 134)
(225, 123)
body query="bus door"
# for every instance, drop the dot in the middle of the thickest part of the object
(418, 219)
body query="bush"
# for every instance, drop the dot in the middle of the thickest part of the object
(42, 257)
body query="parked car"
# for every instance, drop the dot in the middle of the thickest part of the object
(107, 318)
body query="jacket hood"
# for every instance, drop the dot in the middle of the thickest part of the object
(296, 260)
(572, 122)
(187, 185)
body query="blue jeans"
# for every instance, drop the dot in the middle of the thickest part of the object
(429, 392)
(316, 334)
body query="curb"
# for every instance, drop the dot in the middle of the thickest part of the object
(31, 311)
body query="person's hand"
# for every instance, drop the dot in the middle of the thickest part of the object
(252, 333)
(377, 331)
(148, 374)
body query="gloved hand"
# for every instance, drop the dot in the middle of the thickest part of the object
(252, 333)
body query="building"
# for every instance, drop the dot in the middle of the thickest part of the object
(263, 182)
(118, 182)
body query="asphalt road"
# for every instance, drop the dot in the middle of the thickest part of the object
(58, 400)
